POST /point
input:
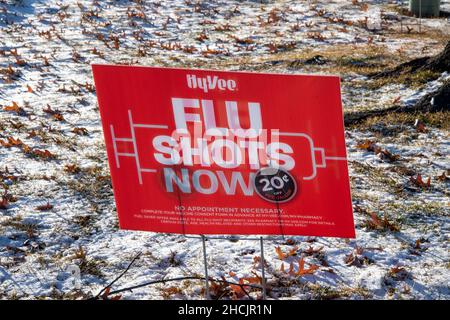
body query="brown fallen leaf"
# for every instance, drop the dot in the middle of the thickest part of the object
(45, 207)
(353, 260)
(80, 131)
(301, 271)
(106, 295)
(170, 291)
(56, 114)
(397, 269)
(43, 154)
(376, 223)
(293, 251)
(397, 100)
(290, 242)
(218, 289)
(420, 126)
(4, 204)
(418, 181)
(312, 251)
(368, 145)
(399, 273)
(253, 280)
(443, 177)
(301, 268)
(237, 291)
(281, 255)
(15, 108)
(12, 142)
(72, 168)
(386, 155)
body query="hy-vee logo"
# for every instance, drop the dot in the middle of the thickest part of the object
(210, 83)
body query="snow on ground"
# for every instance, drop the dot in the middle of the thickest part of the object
(60, 208)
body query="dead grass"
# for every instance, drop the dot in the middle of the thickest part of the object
(17, 223)
(414, 79)
(327, 293)
(426, 208)
(378, 177)
(88, 265)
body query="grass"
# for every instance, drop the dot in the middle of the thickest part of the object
(378, 176)
(415, 79)
(91, 183)
(321, 292)
(83, 221)
(88, 265)
(342, 59)
(439, 120)
(16, 223)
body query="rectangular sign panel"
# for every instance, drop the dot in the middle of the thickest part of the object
(212, 152)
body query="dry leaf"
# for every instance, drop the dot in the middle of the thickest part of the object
(382, 153)
(106, 293)
(45, 207)
(377, 223)
(56, 114)
(301, 268)
(80, 131)
(312, 251)
(218, 289)
(420, 126)
(443, 177)
(43, 154)
(280, 253)
(12, 142)
(290, 242)
(293, 252)
(72, 168)
(237, 291)
(367, 145)
(386, 155)
(418, 181)
(4, 204)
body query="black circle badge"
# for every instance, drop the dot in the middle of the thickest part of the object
(275, 185)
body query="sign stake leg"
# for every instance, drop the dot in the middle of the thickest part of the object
(208, 297)
(263, 274)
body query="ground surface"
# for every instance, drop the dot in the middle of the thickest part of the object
(58, 207)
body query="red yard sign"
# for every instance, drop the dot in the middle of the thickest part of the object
(212, 152)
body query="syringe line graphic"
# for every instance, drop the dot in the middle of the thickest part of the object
(275, 132)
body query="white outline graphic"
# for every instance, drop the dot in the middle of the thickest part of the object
(313, 149)
(135, 154)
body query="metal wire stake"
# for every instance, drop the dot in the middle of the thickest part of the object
(208, 297)
(263, 280)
